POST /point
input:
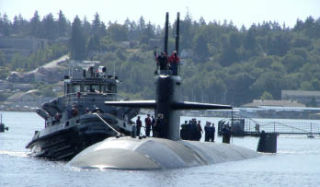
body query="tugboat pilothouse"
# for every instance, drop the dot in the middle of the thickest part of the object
(80, 118)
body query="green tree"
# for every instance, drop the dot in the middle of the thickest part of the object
(250, 41)
(266, 96)
(62, 24)
(271, 82)
(19, 25)
(293, 62)
(2, 59)
(50, 29)
(186, 32)
(118, 32)
(35, 25)
(279, 44)
(96, 26)
(201, 47)
(132, 29)
(5, 25)
(229, 53)
(148, 33)
(77, 41)
(238, 87)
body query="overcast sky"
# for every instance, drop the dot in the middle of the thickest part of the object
(240, 12)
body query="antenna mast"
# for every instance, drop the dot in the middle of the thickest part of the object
(177, 32)
(166, 34)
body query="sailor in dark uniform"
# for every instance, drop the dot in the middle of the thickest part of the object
(148, 124)
(138, 126)
(162, 61)
(226, 134)
(212, 131)
(207, 132)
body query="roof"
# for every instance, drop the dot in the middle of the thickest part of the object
(280, 103)
(300, 93)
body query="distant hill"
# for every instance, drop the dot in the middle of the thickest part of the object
(220, 62)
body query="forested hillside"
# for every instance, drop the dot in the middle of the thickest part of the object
(220, 62)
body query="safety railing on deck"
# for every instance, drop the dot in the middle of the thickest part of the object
(283, 126)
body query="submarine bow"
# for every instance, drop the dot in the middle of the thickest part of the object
(156, 153)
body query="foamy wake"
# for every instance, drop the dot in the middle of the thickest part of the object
(14, 153)
(299, 152)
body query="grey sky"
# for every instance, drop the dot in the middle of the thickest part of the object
(240, 12)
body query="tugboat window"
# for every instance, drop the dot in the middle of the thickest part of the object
(103, 88)
(86, 88)
(76, 88)
(95, 88)
(111, 88)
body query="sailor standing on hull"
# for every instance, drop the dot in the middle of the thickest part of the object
(199, 131)
(138, 126)
(226, 134)
(212, 131)
(148, 124)
(207, 132)
(153, 122)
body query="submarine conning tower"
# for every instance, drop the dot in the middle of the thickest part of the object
(167, 96)
(167, 92)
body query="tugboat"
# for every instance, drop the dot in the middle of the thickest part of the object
(80, 118)
(3, 128)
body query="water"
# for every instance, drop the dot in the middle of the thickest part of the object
(297, 163)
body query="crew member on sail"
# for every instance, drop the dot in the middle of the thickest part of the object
(174, 62)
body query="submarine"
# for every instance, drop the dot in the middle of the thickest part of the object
(166, 150)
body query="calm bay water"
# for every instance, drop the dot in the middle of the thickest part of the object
(297, 163)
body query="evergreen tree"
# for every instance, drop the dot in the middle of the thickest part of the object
(2, 59)
(98, 30)
(35, 25)
(86, 27)
(5, 26)
(148, 33)
(77, 41)
(186, 32)
(117, 32)
(62, 24)
(132, 28)
(103, 29)
(250, 42)
(201, 47)
(49, 27)
(19, 25)
(96, 23)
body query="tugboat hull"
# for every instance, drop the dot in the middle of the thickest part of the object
(63, 143)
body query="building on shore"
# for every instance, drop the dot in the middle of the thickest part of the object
(274, 103)
(309, 98)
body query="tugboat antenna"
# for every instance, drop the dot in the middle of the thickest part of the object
(114, 69)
